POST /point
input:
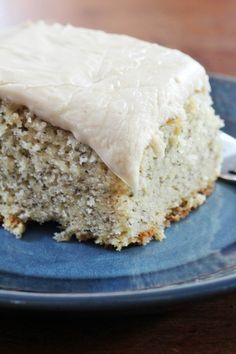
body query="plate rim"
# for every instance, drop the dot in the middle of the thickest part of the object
(122, 299)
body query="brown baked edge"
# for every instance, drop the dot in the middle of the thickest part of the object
(175, 215)
(183, 210)
(17, 226)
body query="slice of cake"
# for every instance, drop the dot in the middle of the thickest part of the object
(110, 136)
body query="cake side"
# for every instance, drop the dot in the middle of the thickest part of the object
(46, 174)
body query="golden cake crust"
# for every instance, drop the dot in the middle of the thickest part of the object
(15, 225)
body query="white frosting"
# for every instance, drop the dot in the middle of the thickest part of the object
(111, 91)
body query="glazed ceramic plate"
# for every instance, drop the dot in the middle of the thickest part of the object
(197, 258)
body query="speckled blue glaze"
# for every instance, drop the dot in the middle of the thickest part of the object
(198, 257)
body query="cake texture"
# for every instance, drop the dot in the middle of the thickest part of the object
(114, 156)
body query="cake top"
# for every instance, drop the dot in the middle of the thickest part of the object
(112, 92)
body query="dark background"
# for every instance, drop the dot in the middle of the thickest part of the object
(206, 29)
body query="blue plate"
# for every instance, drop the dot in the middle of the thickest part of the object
(198, 257)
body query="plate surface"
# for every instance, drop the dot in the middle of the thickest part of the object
(198, 257)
